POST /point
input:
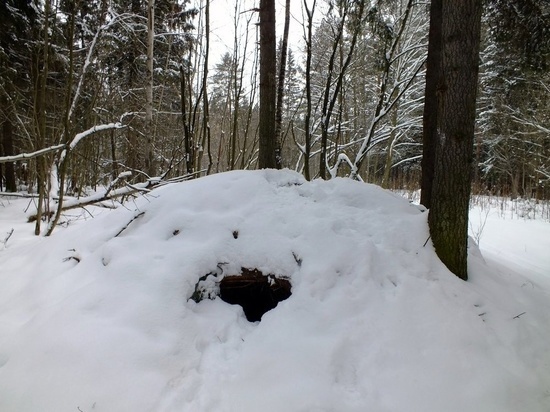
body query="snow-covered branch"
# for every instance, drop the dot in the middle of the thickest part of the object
(23, 156)
(55, 148)
(409, 159)
(108, 194)
(79, 136)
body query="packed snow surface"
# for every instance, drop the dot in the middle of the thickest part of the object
(98, 316)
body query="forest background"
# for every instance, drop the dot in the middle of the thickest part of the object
(80, 113)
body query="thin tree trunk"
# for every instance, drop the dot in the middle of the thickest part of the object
(281, 88)
(205, 103)
(307, 117)
(149, 159)
(236, 89)
(7, 150)
(328, 105)
(391, 144)
(113, 155)
(246, 160)
(133, 156)
(385, 103)
(40, 112)
(187, 137)
(325, 117)
(64, 160)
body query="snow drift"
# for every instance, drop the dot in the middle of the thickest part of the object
(99, 317)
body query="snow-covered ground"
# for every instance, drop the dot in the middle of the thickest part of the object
(513, 233)
(98, 316)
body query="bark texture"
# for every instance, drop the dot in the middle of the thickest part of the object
(268, 85)
(448, 218)
(429, 122)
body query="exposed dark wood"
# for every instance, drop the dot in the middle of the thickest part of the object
(255, 292)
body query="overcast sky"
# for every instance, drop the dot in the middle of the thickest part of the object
(222, 13)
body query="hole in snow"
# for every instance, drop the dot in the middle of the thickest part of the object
(255, 292)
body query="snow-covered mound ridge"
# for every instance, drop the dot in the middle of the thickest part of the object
(98, 317)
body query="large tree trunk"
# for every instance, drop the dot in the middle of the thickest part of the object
(448, 218)
(429, 137)
(268, 67)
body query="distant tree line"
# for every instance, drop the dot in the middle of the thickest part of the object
(351, 103)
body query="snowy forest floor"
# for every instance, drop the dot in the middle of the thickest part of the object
(97, 317)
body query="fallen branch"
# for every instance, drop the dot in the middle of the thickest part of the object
(17, 194)
(23, 156)
(5, 241)
(79, 136)
(517, 317)
(98, 198)
(129, 223)
(110, 194)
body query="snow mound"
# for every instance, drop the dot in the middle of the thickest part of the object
(99, 316)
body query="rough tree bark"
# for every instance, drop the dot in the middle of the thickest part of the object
(429, 122)
(456, 103)
(268, 68)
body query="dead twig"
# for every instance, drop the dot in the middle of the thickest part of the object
(297, 259)
(129, 223)
(5, 241)
(426, 242)
(517, 316)
(74, 256)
